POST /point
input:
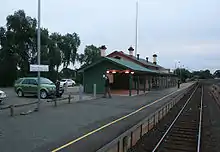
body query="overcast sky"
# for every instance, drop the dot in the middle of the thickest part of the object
(183, 30)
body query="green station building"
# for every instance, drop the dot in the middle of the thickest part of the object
(126, 72)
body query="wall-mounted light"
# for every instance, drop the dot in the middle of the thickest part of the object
(113, 71)
(132, 72)
(126, 71)
(107, 72)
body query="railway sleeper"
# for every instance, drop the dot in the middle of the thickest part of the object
(185, 129)
(191, 117)
(168, 148)
(187, 121)
(181, 138)
(191, 136)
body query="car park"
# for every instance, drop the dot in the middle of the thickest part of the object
(29, 85)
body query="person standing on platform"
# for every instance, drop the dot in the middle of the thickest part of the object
(178, 84)
(107, 87)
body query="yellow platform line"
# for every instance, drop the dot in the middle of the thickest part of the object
(113, 122)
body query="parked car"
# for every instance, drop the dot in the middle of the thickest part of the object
(2, 96)
(69, 82)
(29, 85)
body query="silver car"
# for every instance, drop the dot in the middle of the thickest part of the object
(2, 96)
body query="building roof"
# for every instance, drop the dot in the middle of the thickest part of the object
(126, 64)
(131, 65)
(141, 60)
(147, 63)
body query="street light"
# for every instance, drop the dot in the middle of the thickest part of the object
(38, 54)
(136, 30)
(175, 66)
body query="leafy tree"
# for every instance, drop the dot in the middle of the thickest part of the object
(69, 45)
(21, 31)
(91, 54)
(68, 73)
(202, 74)
(183, 74)
(18, 48)
(217, 74)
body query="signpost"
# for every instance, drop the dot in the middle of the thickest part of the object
(36, 68)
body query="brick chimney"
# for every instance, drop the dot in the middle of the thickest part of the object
(102, 50)
(138, 56)
(131, 51)
(146, 59)
(155, 59)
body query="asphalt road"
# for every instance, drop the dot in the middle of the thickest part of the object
(53, 127)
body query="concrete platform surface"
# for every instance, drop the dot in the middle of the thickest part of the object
(53, 127)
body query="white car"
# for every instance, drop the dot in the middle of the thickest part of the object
(2, 96)
(69, 82)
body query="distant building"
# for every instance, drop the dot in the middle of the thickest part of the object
(127, 72)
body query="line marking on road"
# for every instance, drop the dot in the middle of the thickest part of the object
(115, 121)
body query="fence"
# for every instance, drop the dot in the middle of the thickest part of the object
(54, 100)
(130, 137)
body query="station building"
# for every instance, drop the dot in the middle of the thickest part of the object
(128, 74)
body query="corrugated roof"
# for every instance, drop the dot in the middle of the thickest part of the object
(125, 63)
(147, 63)
(131, 65)
(141, 60)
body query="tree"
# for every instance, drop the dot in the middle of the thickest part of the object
(68, 73)
(217, 74)
(202, 74)
(18, 48)
(69, 45)
(183, 74)
(21, 36)
(91, 54)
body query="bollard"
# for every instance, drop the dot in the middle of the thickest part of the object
(154, 120)
(12, 110)
(55, 101)
(80, 92)
(94, 90)
(148, 124)
(69, 98)
(141, 130)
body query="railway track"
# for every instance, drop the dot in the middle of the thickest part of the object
(184, 133)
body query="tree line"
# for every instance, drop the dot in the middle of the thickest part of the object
(185, 74)
(18, 49)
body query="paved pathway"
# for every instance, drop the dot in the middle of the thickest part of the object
(53, 127)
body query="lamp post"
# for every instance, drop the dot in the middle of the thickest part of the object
(38, 53)
(181, 68)
(136, 30)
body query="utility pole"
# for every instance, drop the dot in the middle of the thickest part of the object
(38, 54)
(136, 30)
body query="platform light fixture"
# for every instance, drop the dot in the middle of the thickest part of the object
(126, 71)
(113, 71)
(107, 72)
(132, 72)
